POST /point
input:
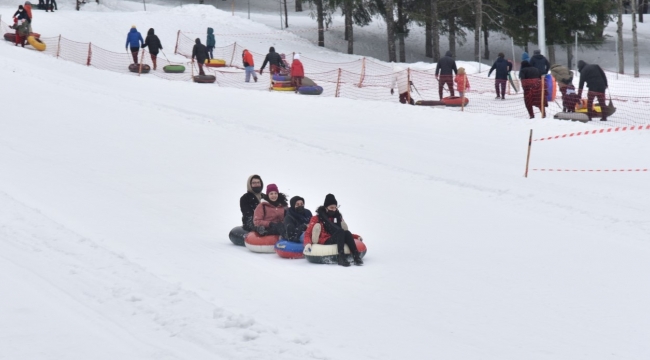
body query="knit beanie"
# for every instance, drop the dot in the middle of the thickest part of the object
(272, 187)
(330, 200)
(294, 200)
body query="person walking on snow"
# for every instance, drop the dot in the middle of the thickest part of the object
(249, 201)
(274, 60)
(502, 67)
(210, 43)
(401, 81)
(134, 41)
(249, 65)
(539, 62)
(297, 72)
(269, 214)
(22, 31)
(445, 71)
(200, 53)
(327, 227)
(462, 82)
(532, 85)
(296, 219)
(154, 45)
(596, 80)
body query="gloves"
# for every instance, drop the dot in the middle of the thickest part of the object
(261, 71)
(392, 91)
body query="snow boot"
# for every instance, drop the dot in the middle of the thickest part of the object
(357, 259)
(343, 261)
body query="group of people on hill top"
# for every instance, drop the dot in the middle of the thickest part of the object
(270, 214)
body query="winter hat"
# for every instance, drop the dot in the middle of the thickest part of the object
(271, 49)
(448, 53)
(330, 200)
(272, 187)
(294, 200)
(296, 56)
(501, 55)
(537, 52)
(525, 57)
(132, 26)
(461, 71)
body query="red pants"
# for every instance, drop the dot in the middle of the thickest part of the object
(601, 101)
(446, 79)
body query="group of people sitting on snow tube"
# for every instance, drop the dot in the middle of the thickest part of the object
(269, 214)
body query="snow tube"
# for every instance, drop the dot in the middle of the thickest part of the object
(571, 116)
(238, 235)
(174, 68)
(277, 77)
(308, 82)
(284, 88)
(215, 63)
(454, 101)
(36, 43)
(282, 84)
(136, 68)
(310, 90)
(429, 103)
(290, 250)
(261, 244)
(551, 87)
(204, 79)
(12, 36)
(327, 254)
(581, 107)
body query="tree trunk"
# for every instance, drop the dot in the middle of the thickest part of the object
(401, 30)
(641, 10)
(452, 33)
(569, 56)
(321, 27)
(298, 5)
(601, 17)
(635, 41)
(486, 50)
(286, 15)
(435, 31)
(349, 28)
(428, 30)
(477, 30)
(551, 54)
(390, 29)
(619, 34)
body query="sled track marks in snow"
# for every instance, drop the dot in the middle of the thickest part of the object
(163, 318)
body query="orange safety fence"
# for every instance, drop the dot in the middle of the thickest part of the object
(362, 78)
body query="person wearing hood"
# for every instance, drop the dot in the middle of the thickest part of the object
(297, 72)
(269, 214)
(274, 60)
(503, 68)
(249, 65)
(445, 71)
(525, 57)
(28, 9)
(539, 62)
(327, 227)
(401, 81)
(296, 219)
(596, 80)
(154, 45)
(210, 43)
(134, 41)
(249, 201)
(532, 85)
(21, 14)
(200, 53)
(564, 79)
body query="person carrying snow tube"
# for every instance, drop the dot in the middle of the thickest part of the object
(596, 80)
(297, 72)
(154, 45)
(445, 71)
(462, 82)
(134, 41)
(327, 227)
(199, 52)
(268, 217)
(502, 67)
(210, 43)
(274, 60)
(249, 65)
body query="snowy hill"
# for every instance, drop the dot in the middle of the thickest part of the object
(117, 193)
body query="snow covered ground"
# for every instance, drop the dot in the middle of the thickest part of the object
(117, 193)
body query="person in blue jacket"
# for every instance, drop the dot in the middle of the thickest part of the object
(135, 41)
(210, 42)
(503, 67)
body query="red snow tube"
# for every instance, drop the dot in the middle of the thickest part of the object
(261, 244)
(12, 36)
(454, 101)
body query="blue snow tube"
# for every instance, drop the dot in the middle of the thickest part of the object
(289, 249)
(277, 77)
(310, 90)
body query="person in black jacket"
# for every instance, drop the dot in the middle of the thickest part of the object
(154, 45)
(596, 80)
(503, 68)
(532, 85)
(249, 201)
(200, 52)
(296, 219)
(275, 61)
(21, 14)
(539, 62)
(445, 71)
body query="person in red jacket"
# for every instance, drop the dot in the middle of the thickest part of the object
(268, 217)
(327, 228)
(249, 65)
(297, 72)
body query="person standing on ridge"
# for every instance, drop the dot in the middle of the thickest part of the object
(200, 53)
(154, 45)
(210, 43)
(502, 67)
(134, 41)
(445, 71)
(249, 65)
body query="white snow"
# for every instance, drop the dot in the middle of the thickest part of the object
(117, 193)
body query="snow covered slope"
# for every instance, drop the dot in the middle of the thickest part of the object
(117, 194)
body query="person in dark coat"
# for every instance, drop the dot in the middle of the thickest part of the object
(503, 68)
(532, 85)
(154, 45)
(134, 40)
(275, 61)
(539, 62)
(210, 43)
(21, 14)
(296, 219)
(445, 71)
(200, 53)
(596, 80)
(249, 201)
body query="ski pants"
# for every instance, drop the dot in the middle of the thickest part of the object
(134, 53)
(500, 84)
(601, 101)
(210, 49)
(446, 79)
(342, 238)
(250, 71)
